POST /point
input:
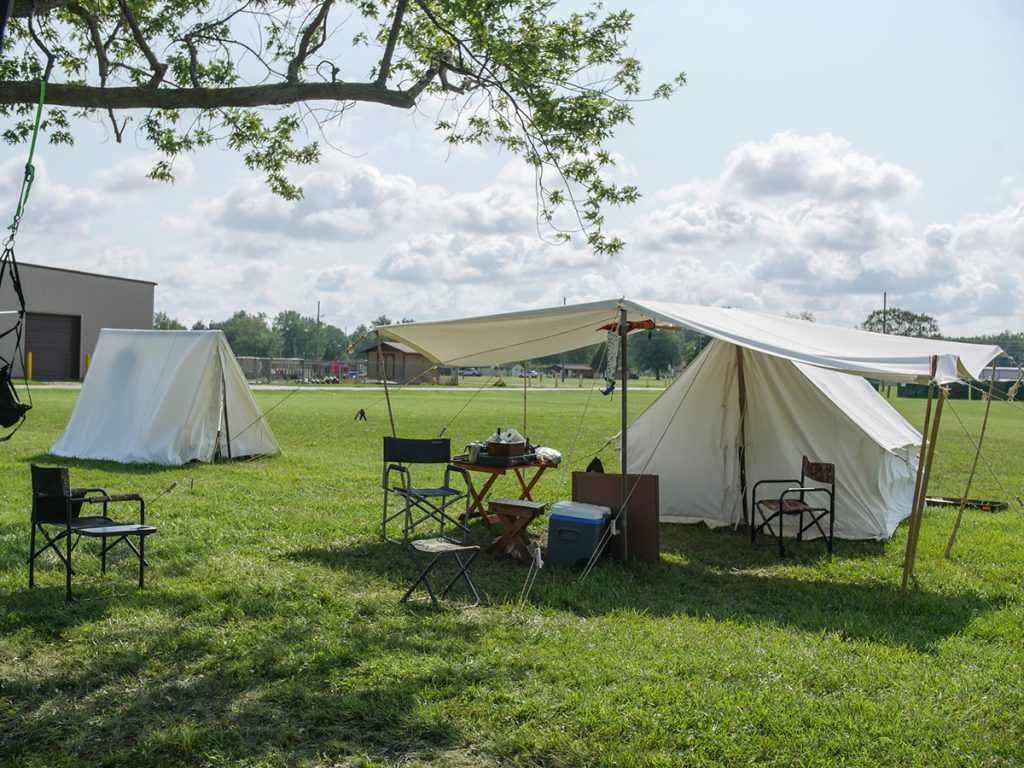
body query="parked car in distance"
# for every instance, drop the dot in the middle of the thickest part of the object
(531, 374)
(470, 372)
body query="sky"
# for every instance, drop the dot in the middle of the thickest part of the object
(821, 154)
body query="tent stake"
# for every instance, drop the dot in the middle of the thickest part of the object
(384, 377)
(922, 492)
(742, 386)
(623, 458)
(974, 466)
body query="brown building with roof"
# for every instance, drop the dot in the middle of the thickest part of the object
(401, 363)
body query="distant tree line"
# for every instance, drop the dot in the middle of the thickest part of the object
(900, 322)
(288, 334)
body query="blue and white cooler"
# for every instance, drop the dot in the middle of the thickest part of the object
(574, 531)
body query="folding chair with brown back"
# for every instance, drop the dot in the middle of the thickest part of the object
(55, 505)
(813, 497)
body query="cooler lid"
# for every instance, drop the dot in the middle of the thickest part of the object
(578, 510)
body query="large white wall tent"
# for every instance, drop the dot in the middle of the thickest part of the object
(165, 397)
(804, 395)
(690, 438)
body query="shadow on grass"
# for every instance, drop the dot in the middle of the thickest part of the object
(113, 467)
(717, 575)
(255, 688)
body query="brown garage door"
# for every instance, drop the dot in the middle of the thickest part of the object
(54, 341)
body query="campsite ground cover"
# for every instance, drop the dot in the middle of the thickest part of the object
(270, 631)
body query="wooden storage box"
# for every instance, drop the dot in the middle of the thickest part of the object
(506, 449)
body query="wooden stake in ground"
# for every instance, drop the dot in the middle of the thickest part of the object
(974, 466)
(384, 377)
(918, 512)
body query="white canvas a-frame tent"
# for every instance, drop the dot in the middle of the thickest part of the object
(165, 397)
(794, 378)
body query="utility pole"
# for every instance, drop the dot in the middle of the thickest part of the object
(885, 313)
(318, 331)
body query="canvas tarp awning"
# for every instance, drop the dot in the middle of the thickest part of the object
(799, 401)
(501, 338)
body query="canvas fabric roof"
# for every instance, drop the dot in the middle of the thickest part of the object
(158, 396)
(690, 438)
(495, 339)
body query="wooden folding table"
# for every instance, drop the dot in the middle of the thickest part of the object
(527, 476)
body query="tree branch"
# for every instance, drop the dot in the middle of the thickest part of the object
(295, 65)
(155, 64)
(24, 8)
(274, 94)
(389, 50)
(102, 63)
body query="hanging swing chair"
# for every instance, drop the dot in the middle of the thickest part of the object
(12, 409)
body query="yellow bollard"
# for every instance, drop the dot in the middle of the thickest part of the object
(28, 366)
(88, 362)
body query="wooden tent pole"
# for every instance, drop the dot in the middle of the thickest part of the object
(974, 466)
(922, 492)
(921, 456)
(923, 452)
(623, 456)
(526, 377)
(224, 400)
(742, 386)
(384, 377)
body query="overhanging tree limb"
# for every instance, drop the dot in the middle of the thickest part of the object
(25, 8)
(271, 94)
(510, 73)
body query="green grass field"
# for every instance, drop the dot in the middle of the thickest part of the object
(270, 633)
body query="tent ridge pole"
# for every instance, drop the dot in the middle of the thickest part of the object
(974, 466)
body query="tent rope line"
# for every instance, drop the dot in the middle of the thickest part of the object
(263, 416)
(466, 405)
(453, 364)
(606, 536)
(576, 436)
(1015, 500)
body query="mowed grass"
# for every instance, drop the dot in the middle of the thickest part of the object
(270, 631)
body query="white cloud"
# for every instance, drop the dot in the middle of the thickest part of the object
(52, 204)
(129, 175)
(823, 166)
(804, 223)
(793, 223)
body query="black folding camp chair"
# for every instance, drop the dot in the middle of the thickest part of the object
(420, 503)
(55, 505)
(813, 503)
(431, 531)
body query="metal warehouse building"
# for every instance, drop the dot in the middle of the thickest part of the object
(65, 310)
